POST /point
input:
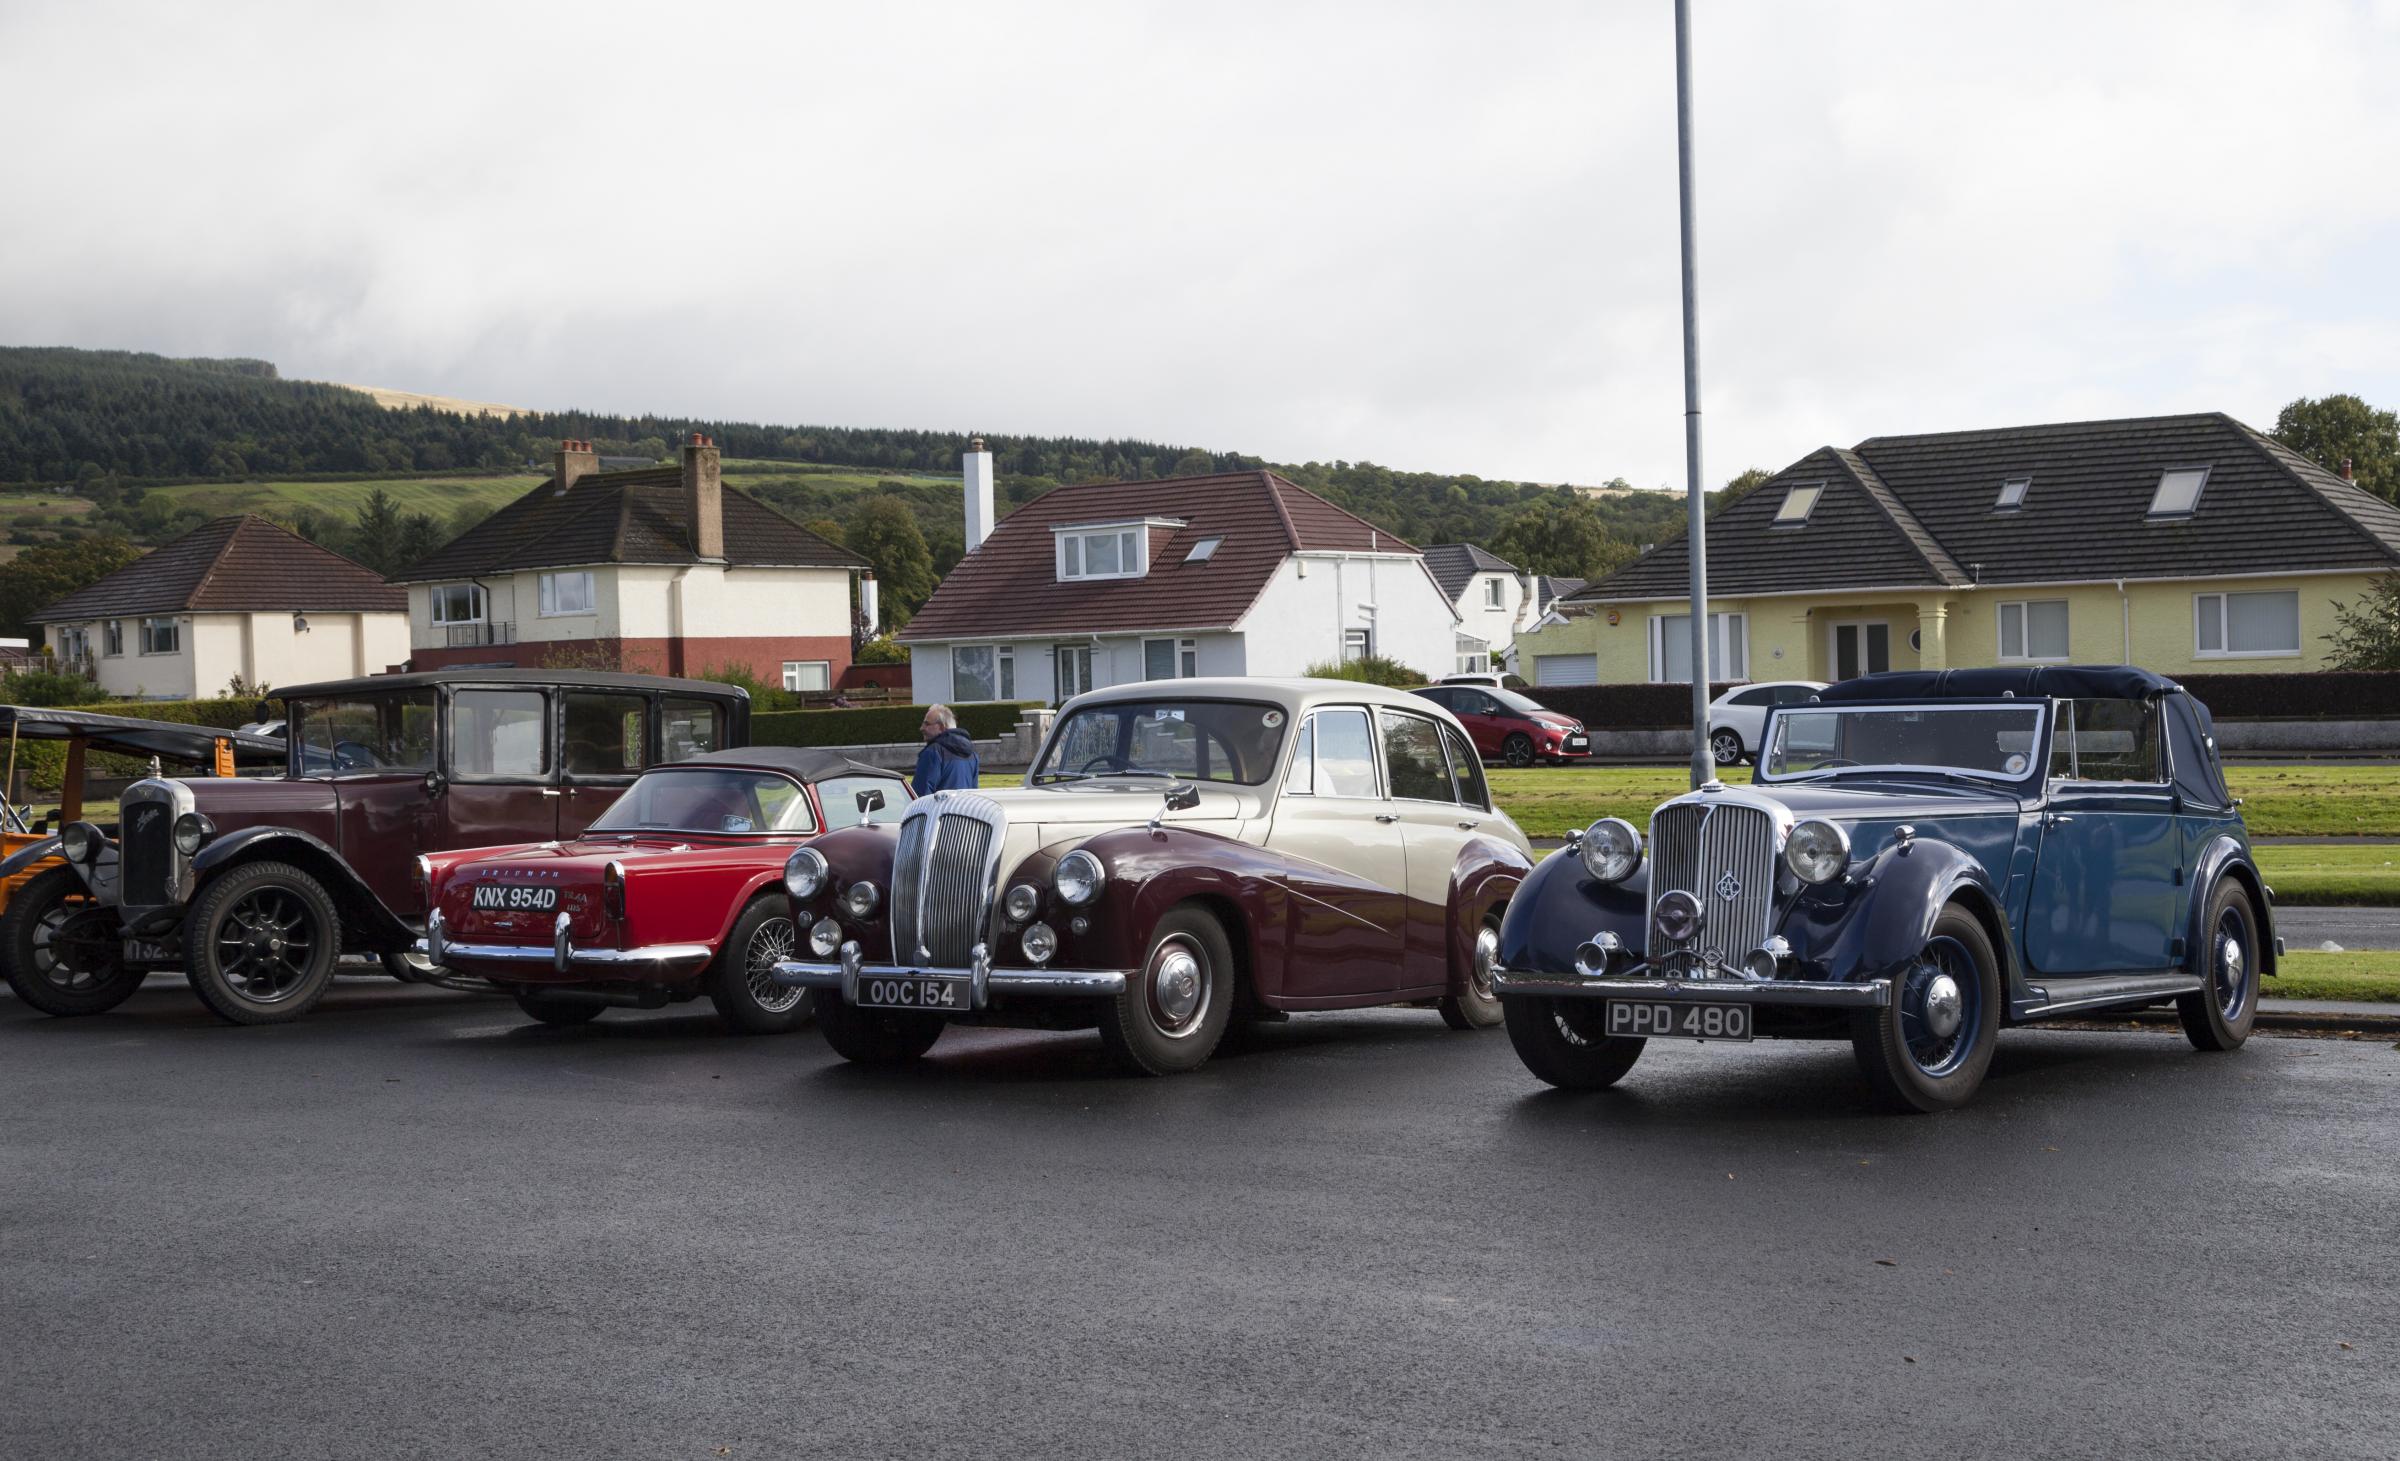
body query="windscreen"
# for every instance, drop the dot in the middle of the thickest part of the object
(1832, 740)
(1521, 704)
(710, 801)
(1192, 740)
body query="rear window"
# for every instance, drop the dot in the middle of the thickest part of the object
(697, 800)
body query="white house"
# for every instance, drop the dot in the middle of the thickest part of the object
(1103, 583)
(1496, 602)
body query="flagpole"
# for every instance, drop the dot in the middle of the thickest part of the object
(1704, 768)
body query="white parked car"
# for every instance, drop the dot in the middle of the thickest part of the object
(1737, 716)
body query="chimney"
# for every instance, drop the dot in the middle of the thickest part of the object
(2347, 474)
(704, 495)
(575, 460)
(979, 493)
(870, 604)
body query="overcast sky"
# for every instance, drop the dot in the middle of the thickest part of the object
(1441, 237)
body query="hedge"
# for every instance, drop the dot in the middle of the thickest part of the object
(2298, 694)
(1625, 707)
(877, 725)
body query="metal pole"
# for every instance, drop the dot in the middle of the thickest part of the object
(1704, 766)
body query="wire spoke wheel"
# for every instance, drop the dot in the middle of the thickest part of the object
(770, 944)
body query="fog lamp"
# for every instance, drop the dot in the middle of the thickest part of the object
(1768, 959)
(1024, 900)
(859, 902)
(1593, 956)
(1679, 917)
(1041, 941)
(824, 937)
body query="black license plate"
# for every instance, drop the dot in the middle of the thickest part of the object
(515, 898)
(1648, 1018)
(915, 992)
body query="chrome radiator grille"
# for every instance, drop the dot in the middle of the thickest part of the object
(942, 878)
(1723, 853)
(146, 853)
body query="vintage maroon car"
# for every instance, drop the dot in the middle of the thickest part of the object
(672, 893)
(1181, 856)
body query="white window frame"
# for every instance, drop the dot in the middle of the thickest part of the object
(475, 597)
(2201, 612)
(1004, 672)
(548, 586)
(112, 639)
(1791, 494)
(2178, 514)
(1492, 593)
(1357, 644)
(174, 632)
(791, 675)
(1205, 549)
(1074, 553)
(2025, 654)
(1183, 659)
(1729, 624)
(2012, 494)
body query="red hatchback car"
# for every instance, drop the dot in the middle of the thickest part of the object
(674, 892)
(1507, 726)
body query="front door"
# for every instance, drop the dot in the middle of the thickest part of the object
(377, 751)
(1348, 924)
(1074, 670)
(502, 781)
(603, 740)
(1426, 787)
(2107, 882)
(1861, 647)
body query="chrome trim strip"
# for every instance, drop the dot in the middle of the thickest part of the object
(1638, 983)
(987, 981)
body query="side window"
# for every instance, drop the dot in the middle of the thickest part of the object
(1439, 696)
(1345, 753)
(2106, 740)
(1794, 694)
(601, 734)
(388, 733)
(1301, 780)
(783, 807)
(499, 733)
(1412, 753)
(1755, 697)
(839, 797)
(688, 728)
(1466, 771)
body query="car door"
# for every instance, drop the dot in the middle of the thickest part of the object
(379, 753)
(1434, 827)
(1486, 719)
(603, 744)
(1348, 865)
(502, 777)
(2107, 879)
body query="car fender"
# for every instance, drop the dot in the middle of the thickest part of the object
(1559, 906)
(1483, 881)
(26, 856)
(366, 921)
(2225, 856)
(863, 852)
(769, 881)
(1150, 871)
(1883, 911)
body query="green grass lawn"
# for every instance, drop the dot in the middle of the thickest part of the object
(2368, 975)
(2365, 874)
(437, 497)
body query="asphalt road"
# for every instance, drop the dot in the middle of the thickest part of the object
(2352, 928)
(415, 1225)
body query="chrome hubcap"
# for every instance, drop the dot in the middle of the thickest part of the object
(2233, 967)
(1178, 990)
(771, 945)
(1945, 1007)
(1487, 958)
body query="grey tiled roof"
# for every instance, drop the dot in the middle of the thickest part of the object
(1454, 565)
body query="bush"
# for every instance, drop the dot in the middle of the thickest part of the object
(2299, 695)
(1625, 707)
(880, 652)
(1372, 669)
(45, 687)
(878, 725)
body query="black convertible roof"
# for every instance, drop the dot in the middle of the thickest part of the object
(805, 762)
(463, 675)
(169, 740)
(2068, 682)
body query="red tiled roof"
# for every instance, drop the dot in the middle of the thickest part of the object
(232, 565)
(1010, 584)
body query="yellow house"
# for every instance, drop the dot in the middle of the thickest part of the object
(2184, 544)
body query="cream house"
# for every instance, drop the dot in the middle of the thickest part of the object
(239, 598)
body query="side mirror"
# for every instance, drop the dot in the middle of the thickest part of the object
(1182, 797)
(869, 803)
(259, 710)
(434, 784)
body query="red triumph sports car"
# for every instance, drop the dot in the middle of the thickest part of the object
(674, 892)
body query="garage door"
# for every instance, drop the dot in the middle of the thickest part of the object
(1566, 669)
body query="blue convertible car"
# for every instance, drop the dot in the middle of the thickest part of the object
(1922, 858)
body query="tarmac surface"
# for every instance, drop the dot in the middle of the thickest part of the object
(415, 1224)
(2352, 928)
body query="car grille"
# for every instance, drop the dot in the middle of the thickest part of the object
(1723, 853)
(942, 878)
(146, 853)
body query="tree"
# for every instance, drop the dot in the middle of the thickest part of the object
(2338, 428)
(377, 538)
(884, 532)
(43, 575)
(2366, 634)
(1741, 486)
(1560, 534)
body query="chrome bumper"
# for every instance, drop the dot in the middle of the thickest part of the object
(561, 954)
(1640, 983)
(982, 977)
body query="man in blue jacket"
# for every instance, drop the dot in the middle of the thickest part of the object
(948, 761)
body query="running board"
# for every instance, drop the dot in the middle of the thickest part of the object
(2063, 996)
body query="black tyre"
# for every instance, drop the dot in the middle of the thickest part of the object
(877, 1037)
(550, 1009)
(2219, 1015)
(65, 950)
(1929, 1048)
(1478, 1008)
(260, 944)
(1726, 747)
(407, 967)
(1517, 750)
(1561, 1041)
(741, 983)
(1175, 1008)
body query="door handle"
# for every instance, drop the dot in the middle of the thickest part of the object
(1466, 826)
(1386, 817)
(549, 791)
(2056, 819)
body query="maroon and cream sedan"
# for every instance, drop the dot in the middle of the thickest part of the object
(674, 892)
(1179, 858)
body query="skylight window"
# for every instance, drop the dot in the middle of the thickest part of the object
(1798, 503)
(2012, 494)
(1205, 549)
(2178, 491)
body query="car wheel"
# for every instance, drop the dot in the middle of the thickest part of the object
(407, 966)
(260, 944)
(1517, 750)
(65, 949)
(741, 982)
(552, 1010)
(1726, 747)
(1929, 1048)
(1175, 1008)
(2218, 1016)
(1562, 1041)
(1478, 1008)
(877, 1037)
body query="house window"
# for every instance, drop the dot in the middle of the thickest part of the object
(458, 603)
(566, 593)
(1491, 593)
(1671, 647)
(2012, 494)
(1798, 503)
(2232, 626)
(1109, 553)
(161, 636)
(1473, 656)
(1357, 644)
(74, 643)
(983, 672)
(1169, 659)
(2033, 629)
(112, 637)
(2178, 492)
(803, 675)
(1205, 549)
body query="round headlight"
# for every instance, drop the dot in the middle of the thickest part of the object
(1611, 849)
(824, 937)
(1024, 900)
(79, 841)
(1817, 851)
(859, 901)
(804, 875)
(1079, 878)
(191, 830)
(1041, 941)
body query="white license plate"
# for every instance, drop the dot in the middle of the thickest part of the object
(915, 992)
(515, 898)
(1650, 1018)
(1578, 743)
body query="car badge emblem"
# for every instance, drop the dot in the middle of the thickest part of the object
(1729, 887)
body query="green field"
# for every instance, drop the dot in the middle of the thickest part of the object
(437, 497)
(49, 504)
(2367, 873)
(2371, 975)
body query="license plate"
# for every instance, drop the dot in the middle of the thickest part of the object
(1644, 1019)
(515, 897)
(142, 951)
(915, 992)
(1578, 743)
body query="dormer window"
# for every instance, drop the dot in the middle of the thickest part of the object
(2178, 492)
(1205, 549)
(1798, 503)
(2012, 494)
(1111, 552)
